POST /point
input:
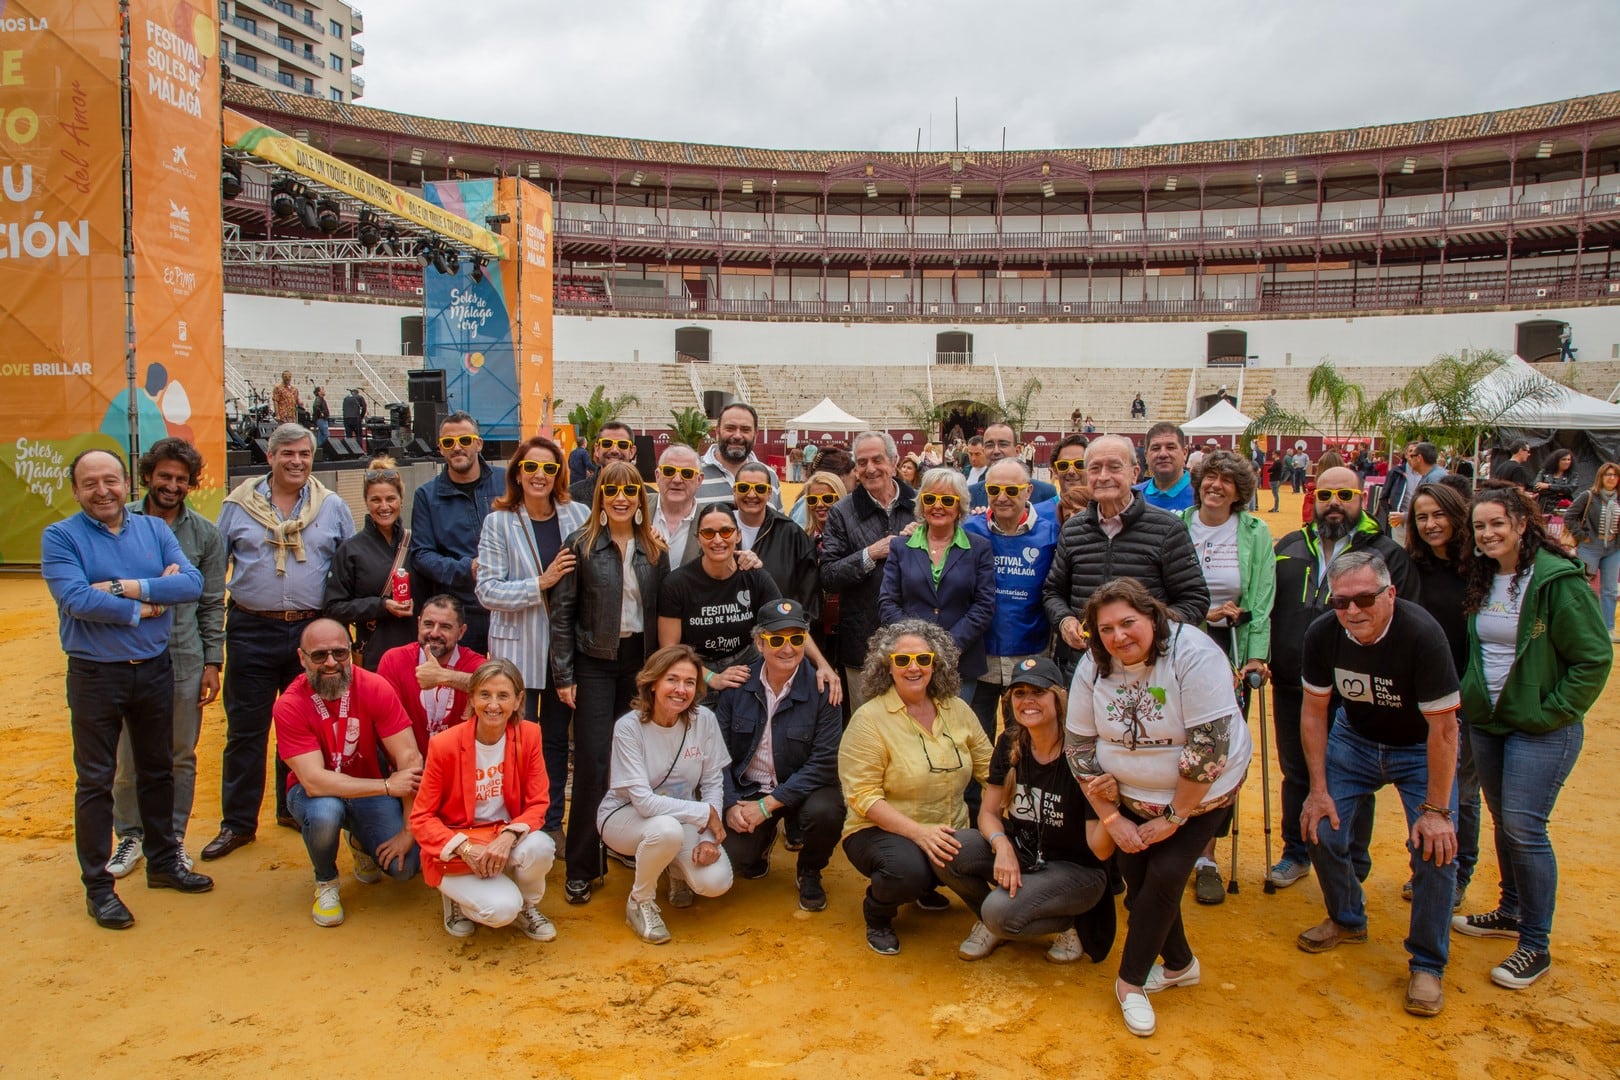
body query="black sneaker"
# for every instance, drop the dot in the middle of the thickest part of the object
(1490, 924)
(577, 891)
(812, 897)
(1522, 967)
(882, 938)
(934, 900)
(758, 870)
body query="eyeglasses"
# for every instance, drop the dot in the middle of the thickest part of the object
(825, 499)
(1342, 494)
(1063, 465)
(450, 442)
(377, 476)
(931, 498)
(612, 491)
(1362, 601)
(776, 641)
(724, 532)
(614, 444)
(744, 488)
(531, 466)
(928, 758)
(905, 659)
(670, 472)
(321, 656)
(1010, 490)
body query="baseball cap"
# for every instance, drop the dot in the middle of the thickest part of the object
(1035, 671)
(781, 615)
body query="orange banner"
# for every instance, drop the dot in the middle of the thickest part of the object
(61, 277)
(531, 307)
(174, 188)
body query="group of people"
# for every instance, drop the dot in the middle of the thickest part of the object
(1027, 694)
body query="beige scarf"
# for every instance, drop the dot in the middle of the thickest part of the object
(287, 535)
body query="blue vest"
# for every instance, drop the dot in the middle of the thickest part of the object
(1020, 627)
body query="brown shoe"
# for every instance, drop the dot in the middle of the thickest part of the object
(225, 843)
(1329, 935)
(1424, 996)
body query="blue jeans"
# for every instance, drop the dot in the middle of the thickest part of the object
(1603, 560)
(1357, 767)
(372, 821)
(1521, 775)
(1467, 808)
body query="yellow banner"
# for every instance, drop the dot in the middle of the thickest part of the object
(243, 134)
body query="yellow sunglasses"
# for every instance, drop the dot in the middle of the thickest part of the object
(949, 502)
(906, 659)
(685, 472)
(994, 490)
(530, 466)
(745, 488)
(612, 491)
(450, 442)
(776, 641)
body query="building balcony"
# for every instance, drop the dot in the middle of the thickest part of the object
(357, 21)
(358, 51)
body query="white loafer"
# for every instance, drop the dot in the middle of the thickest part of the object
(1138, 1013)
(1157, 980)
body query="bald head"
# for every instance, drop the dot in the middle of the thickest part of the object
(323, 634)
(1115, 443)
(679, 454)
(1007, 471)
(1336, 517)
(1338, 477)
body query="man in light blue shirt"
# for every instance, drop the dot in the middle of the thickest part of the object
(1169, 485)
(114, 576)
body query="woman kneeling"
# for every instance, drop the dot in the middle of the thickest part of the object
(668, 783)
(478, 811)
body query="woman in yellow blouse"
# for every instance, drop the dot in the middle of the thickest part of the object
(904, 763)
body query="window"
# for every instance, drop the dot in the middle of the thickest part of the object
(250, 25)
(284, 79)
(337, 29)
(309, 85)
(336, 62)
(337, 95)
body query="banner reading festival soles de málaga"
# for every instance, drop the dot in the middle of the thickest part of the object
(476, 331)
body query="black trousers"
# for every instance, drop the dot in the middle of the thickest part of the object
(104, 700)
(819, 820)
(546, 708)
(476, 636)
(1288, 701)
(261, 661)
(899, 872)
(1154, 881)
(603, 691)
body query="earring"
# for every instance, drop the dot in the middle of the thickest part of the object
(1478, 552)
(638, 515)
(602, 517)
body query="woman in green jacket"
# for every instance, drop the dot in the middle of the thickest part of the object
(1538, 657)
(1239, 566)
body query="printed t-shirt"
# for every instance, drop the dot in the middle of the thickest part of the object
(1217, 550)
(348, 736)
(717, 617)
(489, 794)
(1046, 816)
(1386, 687)
(1497, 625)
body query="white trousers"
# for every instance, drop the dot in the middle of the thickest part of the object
(495, 901)
(658, 842)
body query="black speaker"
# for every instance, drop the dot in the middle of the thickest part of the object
(260, 449)
(425, 384)
(341, 448)
(237, 458)
(426, 418)
(419, 448)
(646, 457)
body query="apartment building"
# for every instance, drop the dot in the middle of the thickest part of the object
(307, 46)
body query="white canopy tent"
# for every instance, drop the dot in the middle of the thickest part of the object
(1221, 418)
(826, 416)
(1560, 407)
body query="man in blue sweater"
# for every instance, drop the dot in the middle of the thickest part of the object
(114, 576)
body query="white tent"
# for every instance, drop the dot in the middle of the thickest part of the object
(1561, 408)
(1221, 418)
(826, 417)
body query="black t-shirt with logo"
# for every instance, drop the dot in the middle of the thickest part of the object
(717, 617)
(1057, 832)
(1385, 687)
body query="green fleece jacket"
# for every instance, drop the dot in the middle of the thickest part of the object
(1561, 662)
(1257, 585)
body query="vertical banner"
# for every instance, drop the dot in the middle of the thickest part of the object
(179, 282)
(489, 327)
(61, 238)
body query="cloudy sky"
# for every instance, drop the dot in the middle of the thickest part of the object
(844, 75)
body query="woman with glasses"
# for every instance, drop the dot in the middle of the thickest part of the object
(787, 552)
(359, 586)
(821, 491)
(521, 558)
(1537, 661)
(1152, 705)
(943, 574)
(603, 627)
(904, 764)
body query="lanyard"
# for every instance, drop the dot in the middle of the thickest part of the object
(345, 725)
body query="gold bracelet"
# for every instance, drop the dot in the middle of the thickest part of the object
(1111, 818)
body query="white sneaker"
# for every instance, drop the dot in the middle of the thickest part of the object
(1286, 872)
(366, 870)
(647, 921)
(1065, 947)
(125, 857)
(456, 923)
(534, 924)
(979, 943)
(680, 893)
(328, 909)
(1157, 980)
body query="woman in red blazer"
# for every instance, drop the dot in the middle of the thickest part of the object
(478, 811)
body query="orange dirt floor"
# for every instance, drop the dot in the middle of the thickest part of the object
(239, 982)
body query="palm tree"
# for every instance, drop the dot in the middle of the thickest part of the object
(1016, 412)
(921, 412)
(691, 427)
(589, 419)
(1446, 407)
(1346, 405)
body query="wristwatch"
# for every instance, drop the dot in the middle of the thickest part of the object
(1174, 818)
(116, 588)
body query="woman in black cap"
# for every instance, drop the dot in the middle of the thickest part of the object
(1035, 867)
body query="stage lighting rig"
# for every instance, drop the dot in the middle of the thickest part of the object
(366, 231)
(283, 201)
(479, 262)
(328, 216)
(230, 177)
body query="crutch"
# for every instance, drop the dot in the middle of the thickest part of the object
(1270, 886)
(1232, 874)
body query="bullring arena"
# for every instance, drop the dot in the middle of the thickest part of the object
(690, 274)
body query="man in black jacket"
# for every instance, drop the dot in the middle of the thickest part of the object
(854, 544)
(1120, 535)
(1338, 524)
(783, 736)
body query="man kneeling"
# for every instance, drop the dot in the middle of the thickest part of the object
(328, 726)
(477, 816)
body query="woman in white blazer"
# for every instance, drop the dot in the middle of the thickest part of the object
(520, 557)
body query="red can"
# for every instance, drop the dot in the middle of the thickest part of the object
(401, 586)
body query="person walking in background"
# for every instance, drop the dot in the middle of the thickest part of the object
(321, 413)
(1594, 522)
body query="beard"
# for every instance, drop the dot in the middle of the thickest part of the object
(735, 450)
(330, 685)
(1334, 528)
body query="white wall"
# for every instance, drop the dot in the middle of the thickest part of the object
(273, 322)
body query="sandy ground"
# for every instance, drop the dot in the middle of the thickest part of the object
(240, 982)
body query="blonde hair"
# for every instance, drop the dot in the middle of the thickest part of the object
(827, 480)
(382, 470)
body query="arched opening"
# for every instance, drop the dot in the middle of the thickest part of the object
(963, 419)
(1537, 339)
(1227, 348)
(953, 347)
(692, 344)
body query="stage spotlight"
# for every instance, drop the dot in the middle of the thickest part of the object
(305, 208)
(391, 243)
(367, 230)
(230, 177)
(437, 257)
(327, 214)
(452, 262)
(425, 252)
(282, 203)
(479, 262)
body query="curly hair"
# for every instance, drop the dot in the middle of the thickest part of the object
(1228, 466)
(1022, 745)
(1519, 506)
(170, 449)
(946, 681)
(1134, 593)
(1454, 507)
(656, 667)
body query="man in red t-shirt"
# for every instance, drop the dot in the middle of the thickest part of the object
(431, 676)
(329, 724)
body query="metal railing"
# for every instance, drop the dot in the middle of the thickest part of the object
(286, 45)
